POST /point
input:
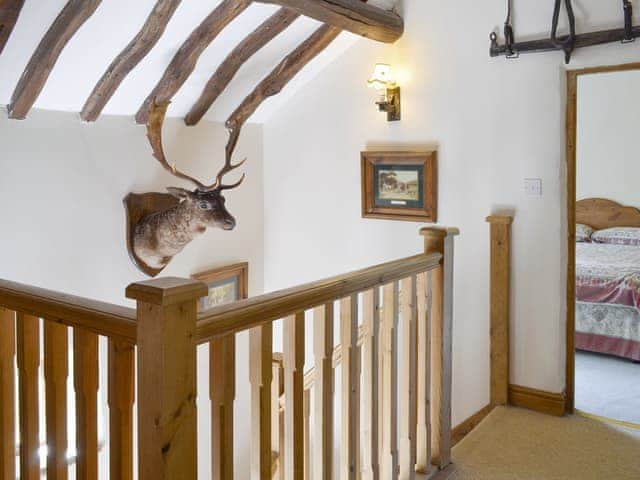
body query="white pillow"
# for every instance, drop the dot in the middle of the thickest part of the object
(618, 236)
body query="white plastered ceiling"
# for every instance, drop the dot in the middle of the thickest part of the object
(116, 22)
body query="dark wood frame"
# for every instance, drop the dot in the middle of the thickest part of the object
(571, 136)
(239, 271)
(427, 159)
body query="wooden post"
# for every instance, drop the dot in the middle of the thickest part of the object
(121, 397)
(440, 240)
(294, 396)
(167, 314)
(28, 343)
(7, 394)
(56, 371)
(350, 460)
(500, 293)
(323, 390)
(85, 373)
(261, 375)
(371, 392)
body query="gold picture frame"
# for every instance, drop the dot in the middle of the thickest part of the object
(226, 284)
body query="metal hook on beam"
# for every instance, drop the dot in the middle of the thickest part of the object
(627, 7)
(569, 43)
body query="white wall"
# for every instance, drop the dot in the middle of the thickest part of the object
(494, 123)
(63, 223)
(608, 141)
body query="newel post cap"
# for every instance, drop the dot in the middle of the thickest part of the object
(167, 291)
(500, 219)
(439, 232)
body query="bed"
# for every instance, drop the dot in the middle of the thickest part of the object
(608, 278)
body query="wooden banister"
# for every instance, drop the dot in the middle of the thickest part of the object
(98, 317)
(246, 314)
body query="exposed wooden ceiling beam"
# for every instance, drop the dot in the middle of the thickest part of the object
(70, 19)
(9, 13)
(184, 61)
(266, 32)
(129, 58)
(278, 78)
(351, 15)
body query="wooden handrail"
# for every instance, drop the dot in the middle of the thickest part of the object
(245, 314)
(112, 321)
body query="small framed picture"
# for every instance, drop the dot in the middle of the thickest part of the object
(226, 284)
(400, 186)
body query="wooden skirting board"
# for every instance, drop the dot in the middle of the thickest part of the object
(538, 400)
(463, 429)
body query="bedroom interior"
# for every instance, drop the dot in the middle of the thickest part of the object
(607, 323)
(161, 322)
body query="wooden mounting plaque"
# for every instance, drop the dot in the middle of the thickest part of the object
(138, 206)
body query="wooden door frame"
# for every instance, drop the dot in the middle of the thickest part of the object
(571, 152)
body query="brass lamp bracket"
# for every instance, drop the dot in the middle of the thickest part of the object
(391, 105)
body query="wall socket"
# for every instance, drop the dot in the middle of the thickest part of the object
(533, 187)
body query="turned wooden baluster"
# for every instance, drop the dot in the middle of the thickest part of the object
(294, 352)
(423, 460)
(408, 378)
(167, 314)
(350, 447)
(56, 371)
(28, 343)
(440, 240)
(7, 394)
(389, 466)
(371, 382)
(85, 373)
(261, 373)
(323, 391)
(121, 397)
(222, 391)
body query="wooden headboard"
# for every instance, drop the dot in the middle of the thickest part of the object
(601, 213)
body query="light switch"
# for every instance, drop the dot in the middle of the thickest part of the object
(533, 187)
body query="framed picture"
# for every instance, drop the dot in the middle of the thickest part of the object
(400, 186)
(226, 284)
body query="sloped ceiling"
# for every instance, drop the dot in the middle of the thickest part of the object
(116, 22)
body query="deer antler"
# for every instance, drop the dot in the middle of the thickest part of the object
(154, 134)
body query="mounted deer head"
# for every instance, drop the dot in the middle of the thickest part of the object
(158, 236)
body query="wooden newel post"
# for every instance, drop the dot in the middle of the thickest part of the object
(167, 309)
(500, 293)
(440, 240)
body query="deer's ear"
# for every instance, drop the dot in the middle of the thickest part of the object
(180, 193)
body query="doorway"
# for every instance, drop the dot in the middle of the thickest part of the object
(603, 268)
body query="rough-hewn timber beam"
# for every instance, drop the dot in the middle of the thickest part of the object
(129, 58)
(352, 15)
(9, 13)
(184, 61)
(278, 78)
(70, 19)
(266, 32)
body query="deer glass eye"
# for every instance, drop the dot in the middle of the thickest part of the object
(204, 206)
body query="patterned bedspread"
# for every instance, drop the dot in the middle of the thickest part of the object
(608, 299)
(608, 273)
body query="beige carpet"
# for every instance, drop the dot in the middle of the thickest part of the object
(516, 444)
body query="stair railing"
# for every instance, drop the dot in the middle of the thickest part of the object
(394, 353)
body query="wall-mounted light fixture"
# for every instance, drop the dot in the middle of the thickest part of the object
(389, 101)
